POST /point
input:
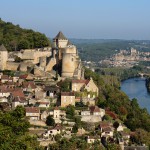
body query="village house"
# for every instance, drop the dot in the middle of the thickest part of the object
(88, 101)
(15, 78)
(44, 115)
(22, 78)
(94, 114)
(80, 85)
(106, 129)
(125, 136)
(54, 131)
(6, 78)
(43, 104)
(58, 114)
(18, 98)
(29, 86)
(4, 92)
(11, 85)
(40, 93)
(67, 98)
(92, 139)
(3, 99)
(33, 113)
(121, 127)
(18, 101)
(81, 131)
(51, 91)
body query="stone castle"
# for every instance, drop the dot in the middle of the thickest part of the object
(62, 58)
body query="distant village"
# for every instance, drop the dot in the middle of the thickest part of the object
(36, 85)
(125, 58)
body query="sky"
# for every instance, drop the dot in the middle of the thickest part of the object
(82, 19)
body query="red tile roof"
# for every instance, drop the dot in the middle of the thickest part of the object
(29, 84)
(32, 109)
(107, 129)
(18, 92)
(23, 76)
(19, 99)
(81, 81)
(4, 77)
(6, 89)
(58, 127)
(67, 94)
(104, 125)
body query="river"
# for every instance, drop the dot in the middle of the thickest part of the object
(135, 88)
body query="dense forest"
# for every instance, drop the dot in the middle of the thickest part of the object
(16, 38)
(124, 73)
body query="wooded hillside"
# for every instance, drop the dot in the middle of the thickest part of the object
(16, 38)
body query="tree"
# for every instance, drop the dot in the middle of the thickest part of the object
(50, 121)
(19, 112)
(13, 131)
(116, 125)
(23, 44)
(70, 112)
(57, 137)
(65, 85)
(75, 129)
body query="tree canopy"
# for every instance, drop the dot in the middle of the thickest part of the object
(16, 38)
(14, 131)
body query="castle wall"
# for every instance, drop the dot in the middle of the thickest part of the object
(42, 61)
(3, 59)
(12, 66)
(39, 72)
(51, 64)
(68, 65)
(69, 61)
(33, 55)
(60, 43)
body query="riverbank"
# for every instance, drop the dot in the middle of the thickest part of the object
(136, 88)
(148, 84)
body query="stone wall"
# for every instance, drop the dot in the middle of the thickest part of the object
(51, 64)
(91, 118)
(3, 59)
(12, 66)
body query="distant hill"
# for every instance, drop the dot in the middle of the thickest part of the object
(16, 38)
(98, 49)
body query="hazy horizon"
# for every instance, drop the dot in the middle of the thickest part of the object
(101, 19)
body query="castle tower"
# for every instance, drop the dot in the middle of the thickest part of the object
(60, 42)
(133, 51)
(69, 61)
(3, 57)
